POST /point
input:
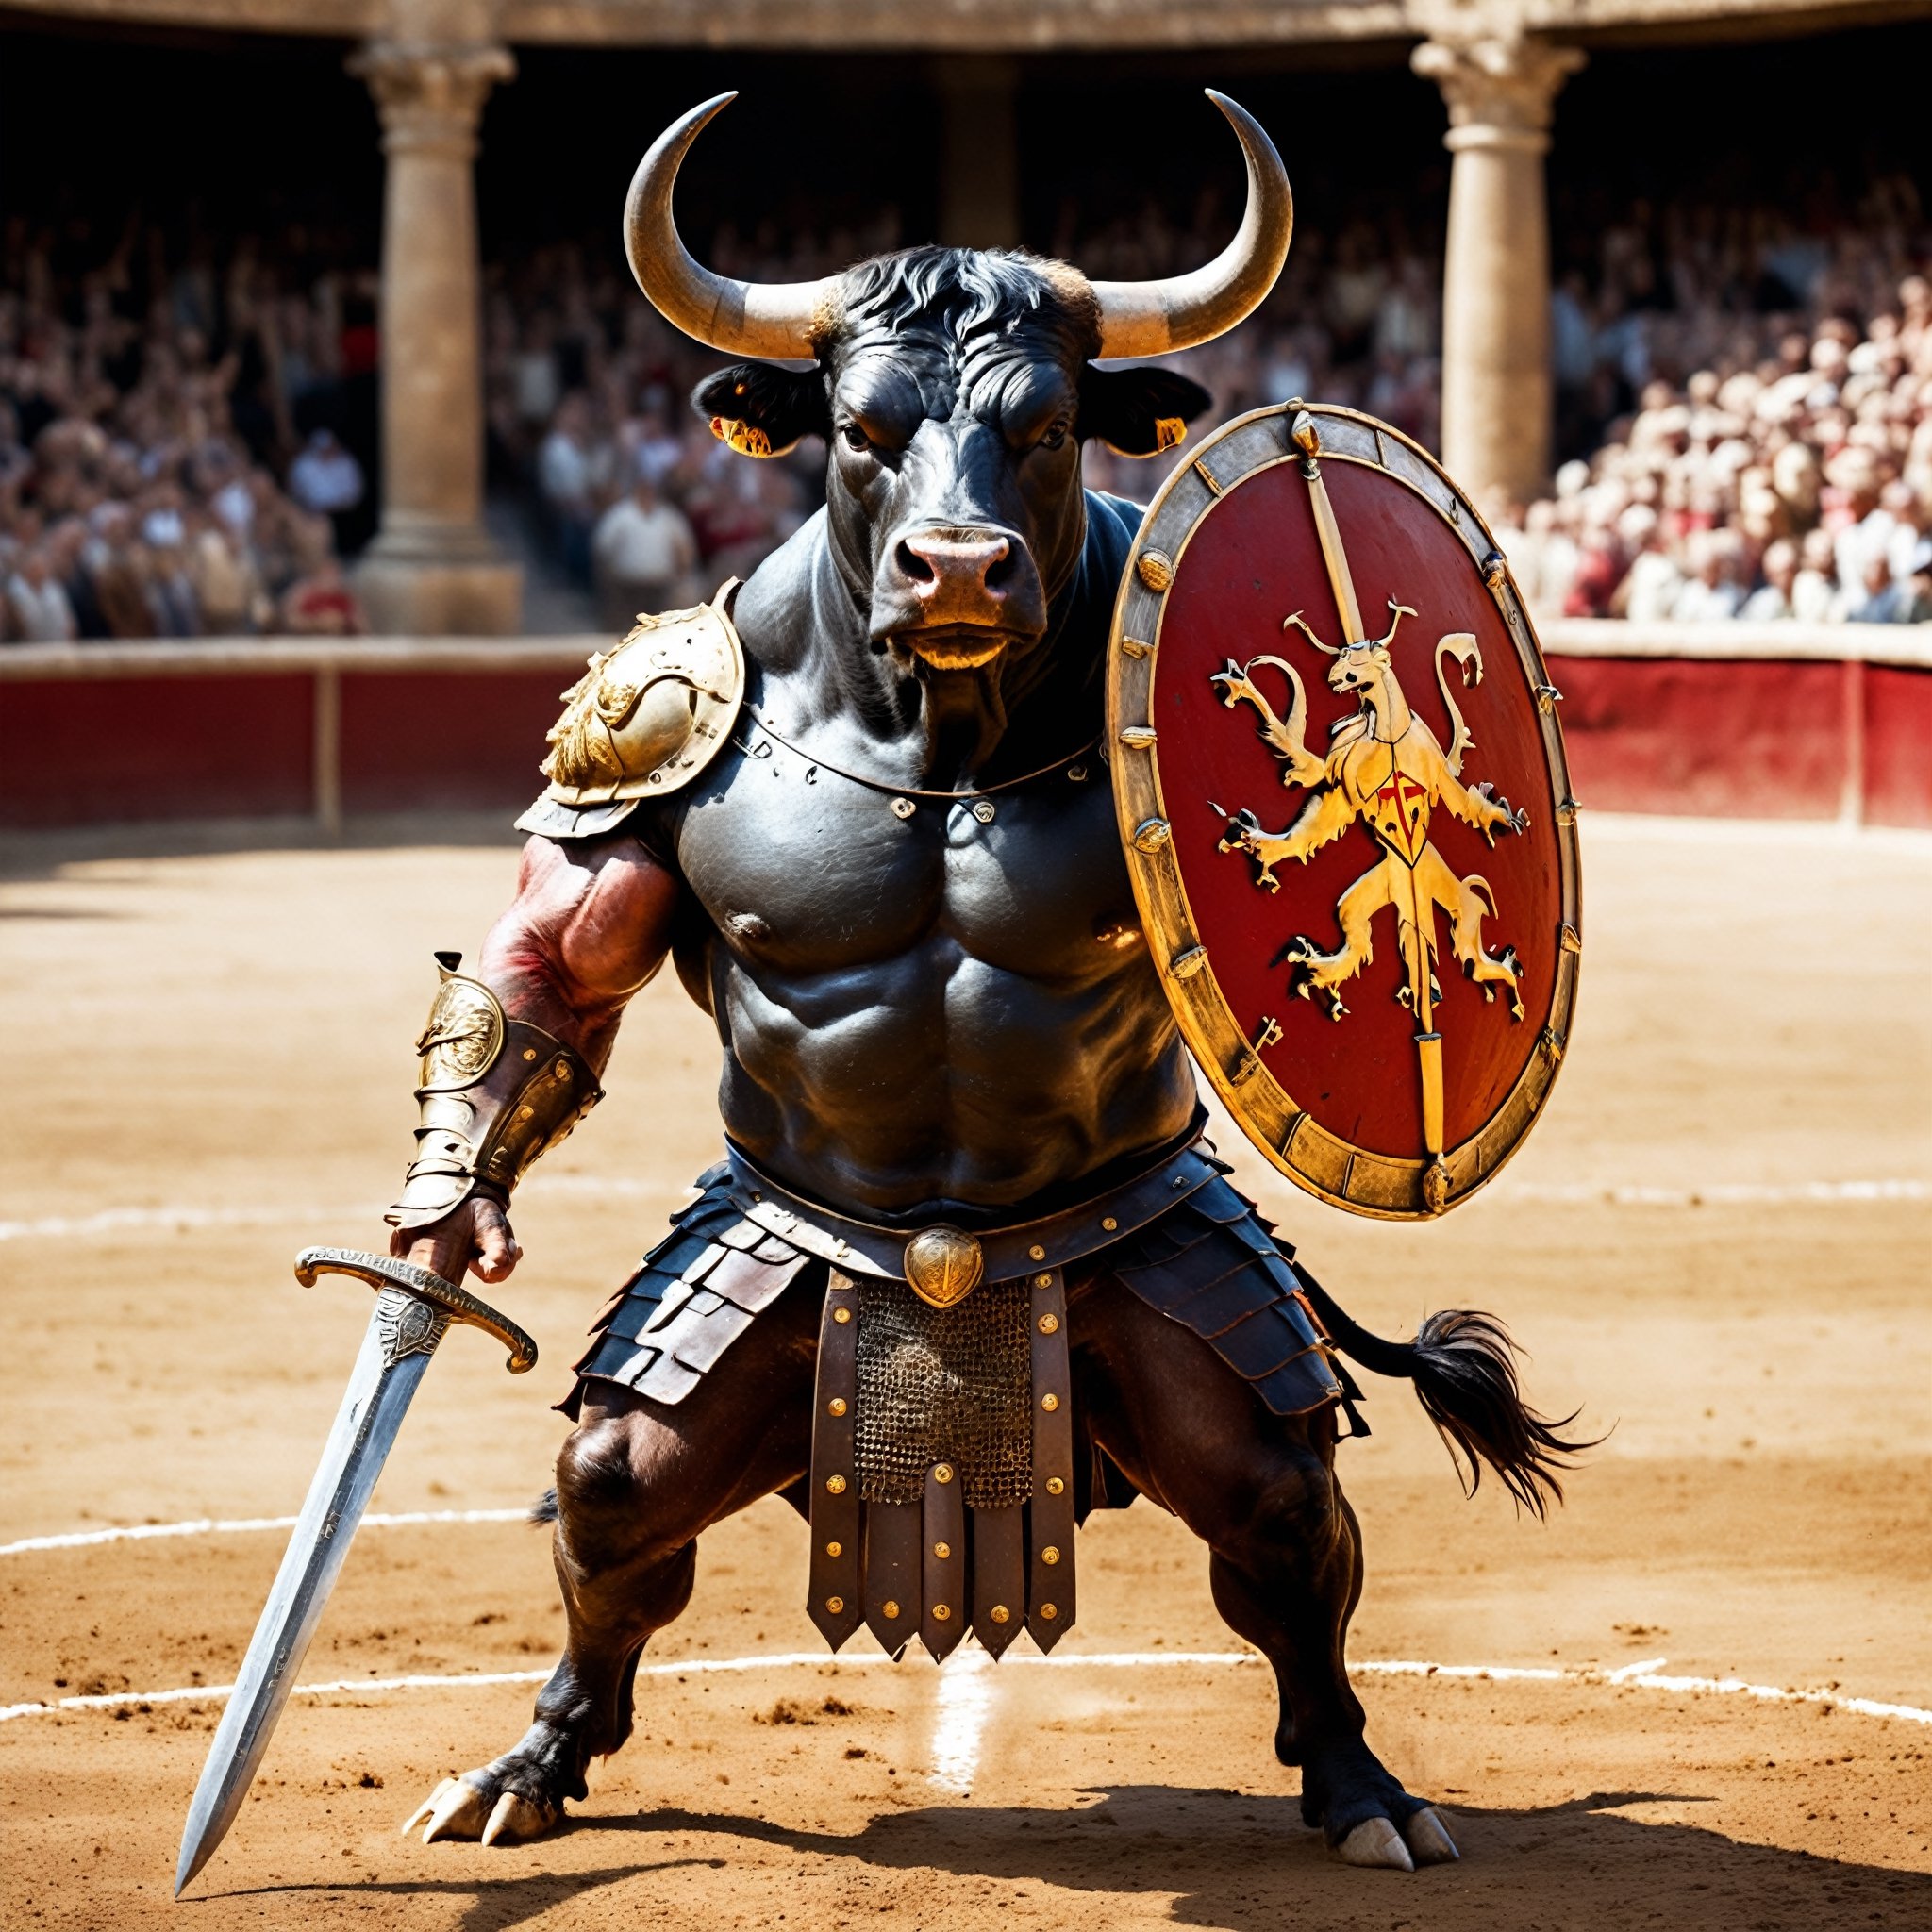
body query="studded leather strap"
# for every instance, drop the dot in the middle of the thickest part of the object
(835, 1514)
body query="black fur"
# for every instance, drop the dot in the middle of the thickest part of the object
(1463, 1365)
(950, 294)
(542, 1511)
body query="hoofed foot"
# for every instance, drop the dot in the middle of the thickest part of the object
(1428, 1838)
(463, 1807)
(1376, 1843)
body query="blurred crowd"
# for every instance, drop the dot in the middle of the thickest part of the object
(173, 460)
(188, 439)
(1757, 397)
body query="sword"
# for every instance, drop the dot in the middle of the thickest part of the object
(414, 1308)
(1428, 1041)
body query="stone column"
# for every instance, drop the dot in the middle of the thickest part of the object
(980, 152)
(1496, 386)
(432, 568)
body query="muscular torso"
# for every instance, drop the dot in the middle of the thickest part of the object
(927, 1011)
(924, 1014)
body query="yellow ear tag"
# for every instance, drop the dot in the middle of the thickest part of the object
(1170, 432)
(745, 439)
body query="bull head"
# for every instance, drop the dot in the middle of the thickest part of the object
(954, 387)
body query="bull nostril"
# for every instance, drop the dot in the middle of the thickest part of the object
(956, 563)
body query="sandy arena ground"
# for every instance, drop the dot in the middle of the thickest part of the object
(208, 1066)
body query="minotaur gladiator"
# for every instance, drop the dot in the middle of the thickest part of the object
(967, 1269)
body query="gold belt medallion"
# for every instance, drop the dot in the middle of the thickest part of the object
(944, 1265)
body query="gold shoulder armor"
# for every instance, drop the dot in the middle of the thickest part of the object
(649, 716)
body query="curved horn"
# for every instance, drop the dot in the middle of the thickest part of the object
(1151, 317)
(773, 320)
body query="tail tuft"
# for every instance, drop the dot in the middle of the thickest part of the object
(1464, 1367)
(542, 1511)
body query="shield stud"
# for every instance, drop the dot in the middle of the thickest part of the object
(943, 1265)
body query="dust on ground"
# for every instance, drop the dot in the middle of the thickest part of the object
(217, 1043)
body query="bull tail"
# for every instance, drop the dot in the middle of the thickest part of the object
(1463, 1365)
(542, 1511)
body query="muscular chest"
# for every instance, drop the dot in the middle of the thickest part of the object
(803, 871)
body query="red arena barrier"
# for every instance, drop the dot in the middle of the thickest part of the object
(1737, 721)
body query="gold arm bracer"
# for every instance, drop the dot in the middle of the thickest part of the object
(494, 1092)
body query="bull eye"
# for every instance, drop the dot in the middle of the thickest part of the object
(1056, 437)
(854, 438)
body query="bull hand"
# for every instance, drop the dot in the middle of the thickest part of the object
(474, 1237)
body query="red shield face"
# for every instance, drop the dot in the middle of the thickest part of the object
(1341, 788)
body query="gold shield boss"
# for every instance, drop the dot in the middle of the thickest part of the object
(1343, 794)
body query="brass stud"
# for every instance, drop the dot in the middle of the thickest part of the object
(1077, 773)
(983, 811)
(1042, 1281)
(1049, 1324)
(891, 1607)
(1049, 1612)
(530, 1053)
(1049, 1555)
(903, 807)
(563, 1070)
(942, 1551)
(836, 1407)
(1154, 569)
(1049, 1403)
(525, 1113)
(943, 1472)
(1036, 1252)
(940, 1612)
(835, 1484)
(834, 1549)
(1056, 1485)
(1000, 1614)
(835, 1604)
(841, 1315)
(1109, 1223)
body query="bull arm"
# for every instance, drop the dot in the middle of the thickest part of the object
(588, 927)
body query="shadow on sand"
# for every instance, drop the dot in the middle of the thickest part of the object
(1239, 1863)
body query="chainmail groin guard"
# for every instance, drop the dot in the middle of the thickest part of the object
(944, 1385)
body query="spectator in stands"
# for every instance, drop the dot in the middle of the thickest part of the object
(37, 604)
(645, 554)
(327, 479)
(1879, 599)
(1771, 602)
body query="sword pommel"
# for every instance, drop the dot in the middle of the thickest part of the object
(459, 1304)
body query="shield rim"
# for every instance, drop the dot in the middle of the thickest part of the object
(1359, 1181)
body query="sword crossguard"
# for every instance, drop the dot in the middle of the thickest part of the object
(459, 1304)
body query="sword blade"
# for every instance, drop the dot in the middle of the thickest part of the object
(373, 1408)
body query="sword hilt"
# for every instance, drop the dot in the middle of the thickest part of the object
(459, 1304)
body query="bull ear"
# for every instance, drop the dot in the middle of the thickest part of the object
(762, 412)
(1138, 412)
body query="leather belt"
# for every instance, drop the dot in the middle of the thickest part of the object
(944, 1263)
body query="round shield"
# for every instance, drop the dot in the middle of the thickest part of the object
(1342, 793)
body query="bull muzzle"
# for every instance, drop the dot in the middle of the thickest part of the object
(957, 597)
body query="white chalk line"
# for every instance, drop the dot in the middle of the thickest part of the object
(184, 1219)
(238, 1526)
(1640, 1676)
